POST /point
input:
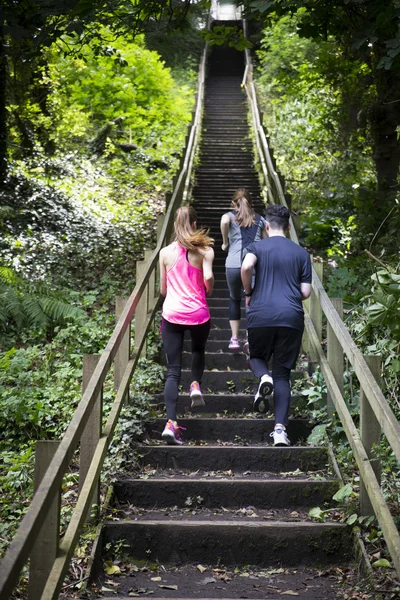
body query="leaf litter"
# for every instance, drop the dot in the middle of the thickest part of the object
(248, 582)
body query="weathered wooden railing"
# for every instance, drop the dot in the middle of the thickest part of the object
(376, 415)
(38, 534)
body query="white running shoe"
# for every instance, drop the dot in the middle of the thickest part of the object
(265, 389)
(280, 437)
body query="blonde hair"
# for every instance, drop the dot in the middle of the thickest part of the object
(244, 206)
(185, 235)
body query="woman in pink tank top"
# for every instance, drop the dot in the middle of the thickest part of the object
(186, 279)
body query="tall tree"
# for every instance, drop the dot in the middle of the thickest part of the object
(369, 30)
(29, 27)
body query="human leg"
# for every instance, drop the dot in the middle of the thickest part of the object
(261, 341)
(285, 353)
(172, 335)
(199, 335)
(235, 294)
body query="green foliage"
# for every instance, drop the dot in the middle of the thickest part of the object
(323, 156)
(23, 304)
(85, 20)
(356, 24)
(129, 83)
(64, 234)
(385, 309)
(346, 281)
(73, 221)
(225, 35)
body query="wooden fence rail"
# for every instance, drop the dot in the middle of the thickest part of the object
(142, 304)
(340, 342)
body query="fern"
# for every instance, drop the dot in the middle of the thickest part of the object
(25, 305)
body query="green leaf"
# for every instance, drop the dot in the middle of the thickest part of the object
(111, 569)
(382, 562)
(317, 513)
(317, 435)
(352, 519)
(345, 492)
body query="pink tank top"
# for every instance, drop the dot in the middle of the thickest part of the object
(185, 302)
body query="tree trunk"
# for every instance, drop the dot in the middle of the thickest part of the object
(385, 118)
(3, 112)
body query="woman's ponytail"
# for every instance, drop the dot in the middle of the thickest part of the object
(185, 235)
(244, 206)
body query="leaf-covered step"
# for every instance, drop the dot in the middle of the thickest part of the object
(237, 458)
(240, 431)
(227, 404)
(209, 492)
(223, 359)
(222, 334)
(215, 345)
(216, 581)
(229, 381)
(231, 543)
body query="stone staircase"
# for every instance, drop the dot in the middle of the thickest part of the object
(226, 514)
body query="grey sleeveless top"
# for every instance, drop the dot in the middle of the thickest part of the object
(240, 238)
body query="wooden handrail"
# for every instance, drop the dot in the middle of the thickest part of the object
(375, 494)
(378, 402)
(20, 548)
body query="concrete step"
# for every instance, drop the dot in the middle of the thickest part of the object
(230, 543)
(214, 302)
(223, 322)
(235, 458)
(220, 312)
(220, 293)
(219, 346)
(238, 430)
(308, 584)
(222, 404)
(229, 492)
(221, 333)
(229, 381)
(223, 360)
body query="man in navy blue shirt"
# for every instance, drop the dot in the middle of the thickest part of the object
(275, 316)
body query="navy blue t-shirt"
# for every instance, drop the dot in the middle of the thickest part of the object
(281, 266)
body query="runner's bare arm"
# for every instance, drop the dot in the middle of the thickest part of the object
(246, 272)
(305, 290)
(225, 223)
(208, 259)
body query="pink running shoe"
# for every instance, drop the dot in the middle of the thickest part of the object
(195, 395)
(171, 433)
(234, 344)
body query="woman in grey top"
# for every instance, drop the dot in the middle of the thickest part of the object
(239, 227)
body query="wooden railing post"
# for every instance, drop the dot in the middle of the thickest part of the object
(160, 225)
(335, 355)
(313, 306)
(152, 280)
(142, 306)
(122, 355)
(91, 433)
(45, 548)
(370, 431)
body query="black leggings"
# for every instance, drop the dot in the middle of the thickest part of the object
(172, 335)
(283, 344)
(235, 287)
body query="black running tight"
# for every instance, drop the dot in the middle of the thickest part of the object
(173, 335)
